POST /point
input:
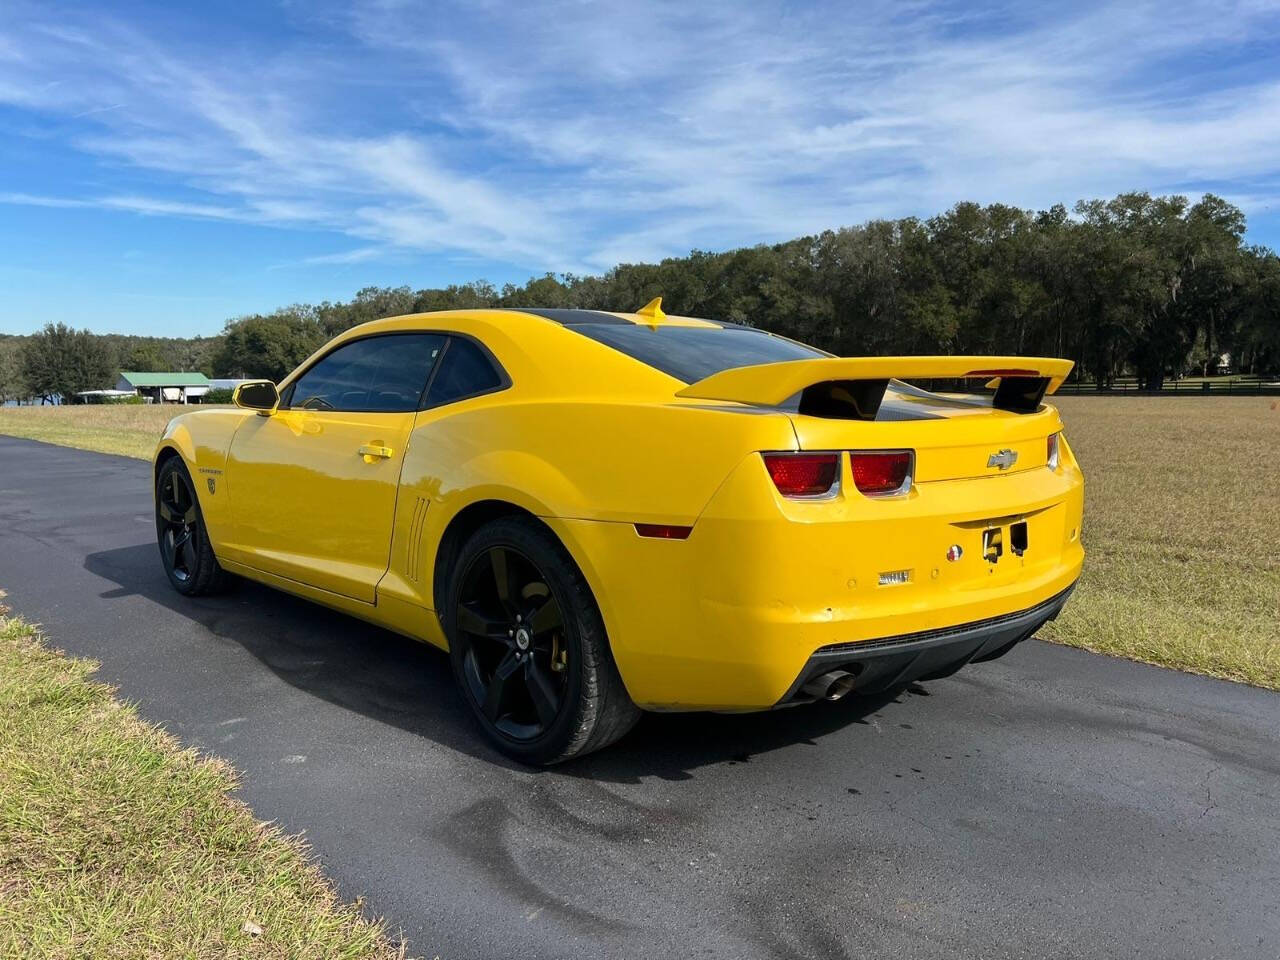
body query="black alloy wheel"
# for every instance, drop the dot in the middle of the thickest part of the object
(529, 647)
(178, 523)
(185, 550)
(516, 663)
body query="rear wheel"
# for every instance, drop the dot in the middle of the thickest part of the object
(529, 647)
(185, 550)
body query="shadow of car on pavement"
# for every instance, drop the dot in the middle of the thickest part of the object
(407, 684)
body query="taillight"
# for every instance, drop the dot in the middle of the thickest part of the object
(881, 473)
(1053, 451)
(803, 474)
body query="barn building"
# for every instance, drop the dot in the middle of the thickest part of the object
(165, 387)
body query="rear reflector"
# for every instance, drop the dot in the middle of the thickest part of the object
(1053, 451)
(803, 474)
(663, 531)
(881, 473)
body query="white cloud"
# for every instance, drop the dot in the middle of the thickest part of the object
(35, 200)
(566, 135)
(171, 208)
(358, 255)
(92, 110)
(134, 204)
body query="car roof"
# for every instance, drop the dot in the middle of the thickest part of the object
(535, 349)
(546, 346)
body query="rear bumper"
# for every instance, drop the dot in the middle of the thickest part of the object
(729, 618)
(880, 664)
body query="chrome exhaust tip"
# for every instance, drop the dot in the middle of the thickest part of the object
(829, 686)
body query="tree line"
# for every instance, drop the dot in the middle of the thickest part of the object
(1141, 285)
(60, 361)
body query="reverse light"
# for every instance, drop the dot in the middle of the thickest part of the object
(663, 531)
(882, 473)
(803, 475)
(1053, 451)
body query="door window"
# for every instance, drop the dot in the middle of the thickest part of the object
(374, 375)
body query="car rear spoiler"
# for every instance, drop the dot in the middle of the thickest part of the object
(852, 387)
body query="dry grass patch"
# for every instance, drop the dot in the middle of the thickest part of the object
(1182, 528)
(117, 843)
(130, 430)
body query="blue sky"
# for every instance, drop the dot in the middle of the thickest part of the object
(164, 167)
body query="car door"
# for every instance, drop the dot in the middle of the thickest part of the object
(313, 486)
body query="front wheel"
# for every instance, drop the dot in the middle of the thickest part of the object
(529, 648)
(185, 550)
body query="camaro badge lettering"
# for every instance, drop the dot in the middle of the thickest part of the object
(1004, 459)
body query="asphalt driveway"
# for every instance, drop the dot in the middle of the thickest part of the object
(1049, 804)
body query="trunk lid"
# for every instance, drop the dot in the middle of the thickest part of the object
(953, 437)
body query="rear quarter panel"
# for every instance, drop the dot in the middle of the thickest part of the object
(615, 462)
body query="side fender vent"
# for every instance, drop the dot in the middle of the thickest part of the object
(413, 564)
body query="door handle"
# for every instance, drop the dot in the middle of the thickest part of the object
(372, 452)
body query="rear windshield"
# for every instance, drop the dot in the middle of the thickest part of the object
(692, 353)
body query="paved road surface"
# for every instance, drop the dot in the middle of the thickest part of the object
(1050, 804)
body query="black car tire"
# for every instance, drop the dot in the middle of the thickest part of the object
(593, 708)
(185, 551)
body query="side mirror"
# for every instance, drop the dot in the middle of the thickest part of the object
(260, 395)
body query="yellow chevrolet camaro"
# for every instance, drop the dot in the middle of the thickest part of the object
(603, 513)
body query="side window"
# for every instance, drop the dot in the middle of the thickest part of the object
(464, 371)
(376, 375)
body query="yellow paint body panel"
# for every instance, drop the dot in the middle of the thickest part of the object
(592, 442)
(337, 536)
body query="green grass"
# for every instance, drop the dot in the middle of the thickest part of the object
(1182, 532)
(117, 843)
(130, 430)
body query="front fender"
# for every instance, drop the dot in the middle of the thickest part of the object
(202, 438)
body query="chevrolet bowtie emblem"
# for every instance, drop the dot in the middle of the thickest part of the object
(1005, 459)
